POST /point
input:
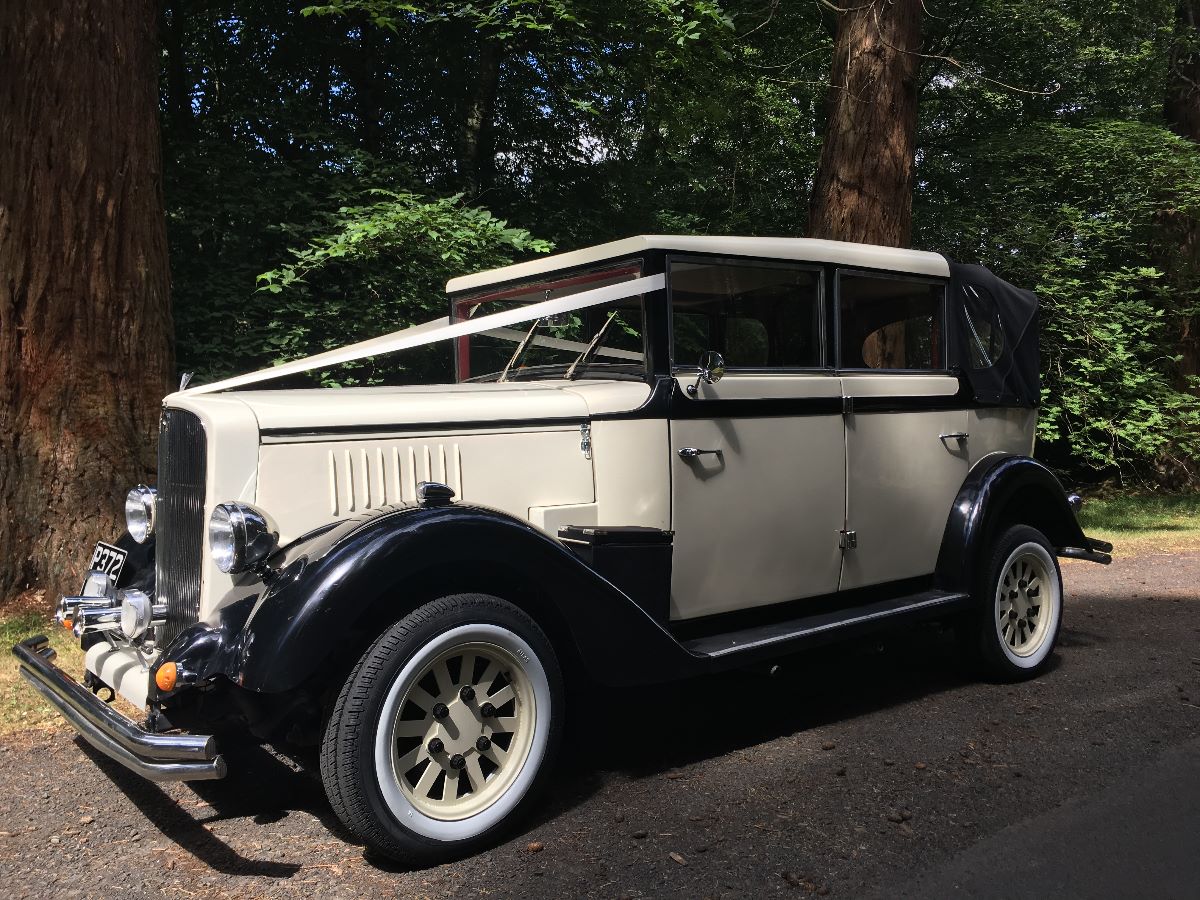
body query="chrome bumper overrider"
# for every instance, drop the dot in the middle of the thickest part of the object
(158, 757)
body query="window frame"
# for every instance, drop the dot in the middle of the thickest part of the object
(823, 368)
(944, 283)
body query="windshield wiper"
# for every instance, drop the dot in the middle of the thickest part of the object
(520, 349)
(585, 357)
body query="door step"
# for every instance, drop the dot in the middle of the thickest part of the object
(819, 627)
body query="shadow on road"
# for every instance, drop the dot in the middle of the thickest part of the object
(646, 731)
(259, 786)
(640, 732)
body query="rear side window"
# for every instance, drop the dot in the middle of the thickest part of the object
(756, 315)
(890, 323)
(985, 337)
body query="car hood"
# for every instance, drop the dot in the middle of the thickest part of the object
(437, 406)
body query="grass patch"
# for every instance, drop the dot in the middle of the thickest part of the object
(21, 707)
(1144, 523)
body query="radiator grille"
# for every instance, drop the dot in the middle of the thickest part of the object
(179, 524)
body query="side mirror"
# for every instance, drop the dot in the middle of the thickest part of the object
(712, 370)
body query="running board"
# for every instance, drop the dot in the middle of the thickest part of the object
(778, 637)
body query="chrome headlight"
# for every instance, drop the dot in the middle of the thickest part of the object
(139, 512)
(240, 537)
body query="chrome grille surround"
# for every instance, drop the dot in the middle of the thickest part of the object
(179, 525)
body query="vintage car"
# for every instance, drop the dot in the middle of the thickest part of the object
(662, 457)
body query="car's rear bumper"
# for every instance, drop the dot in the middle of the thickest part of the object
(158, 757)
(1097, 551)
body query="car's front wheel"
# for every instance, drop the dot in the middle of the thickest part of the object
(444, 730)
(1019, 602)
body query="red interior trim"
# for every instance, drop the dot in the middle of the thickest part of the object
(463, 349)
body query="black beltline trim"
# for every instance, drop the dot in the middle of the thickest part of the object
(666, 402)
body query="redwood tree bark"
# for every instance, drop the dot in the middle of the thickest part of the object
(85, 347)
(1182, 112)
(864, 181)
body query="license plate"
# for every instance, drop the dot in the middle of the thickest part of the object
(108, 559)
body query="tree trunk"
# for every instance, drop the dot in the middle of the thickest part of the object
(172, 29)
(361, 69)
(864, 181)
(85, 348)
(1182, 112)
(478, 167)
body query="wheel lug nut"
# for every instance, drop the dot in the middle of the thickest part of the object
(457, 761)
(487, 710)
(483, 743)
(440, 710)
(467, 692)
(436, 745)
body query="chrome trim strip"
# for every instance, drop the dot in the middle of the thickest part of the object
(158, 757)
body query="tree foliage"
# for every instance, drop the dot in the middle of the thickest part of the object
(359, 152)
(367, 270)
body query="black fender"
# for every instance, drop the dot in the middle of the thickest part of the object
(1003, 490)
(278, 636)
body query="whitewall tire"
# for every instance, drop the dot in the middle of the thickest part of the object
(1019, 605)
(444, 730)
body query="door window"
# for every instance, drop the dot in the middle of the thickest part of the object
(890, 323)
(756, 315)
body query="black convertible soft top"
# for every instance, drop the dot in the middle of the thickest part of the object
(994, 336)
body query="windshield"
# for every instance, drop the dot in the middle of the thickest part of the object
(596, 342)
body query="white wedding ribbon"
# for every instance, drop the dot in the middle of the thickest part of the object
(442, 330)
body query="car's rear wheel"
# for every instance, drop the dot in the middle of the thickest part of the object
(444, 730)
(1019, 602)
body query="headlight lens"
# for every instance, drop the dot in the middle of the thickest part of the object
(139, 512)
(240, 537)
(135, 613)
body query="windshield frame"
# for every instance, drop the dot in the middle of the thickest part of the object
(581, 279)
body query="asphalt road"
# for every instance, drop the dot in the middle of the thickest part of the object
(874, 770)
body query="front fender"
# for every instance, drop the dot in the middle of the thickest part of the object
(1003, 490)
(326, 586)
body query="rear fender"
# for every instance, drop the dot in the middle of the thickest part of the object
(1003, 490)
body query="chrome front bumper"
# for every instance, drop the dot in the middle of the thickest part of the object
(158, 757)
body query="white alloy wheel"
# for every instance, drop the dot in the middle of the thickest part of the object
(462, 732)
(445, 730)
(1012, 629)
(1027, 604)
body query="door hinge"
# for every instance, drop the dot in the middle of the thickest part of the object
(585, 440)
(849, 539)
(847, 405)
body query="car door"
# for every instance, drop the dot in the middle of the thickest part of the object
(907, 446)
(758, 458)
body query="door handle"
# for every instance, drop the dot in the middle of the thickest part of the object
(693, 452)
(953, 436)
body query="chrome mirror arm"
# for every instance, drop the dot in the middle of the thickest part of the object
(712, 370)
